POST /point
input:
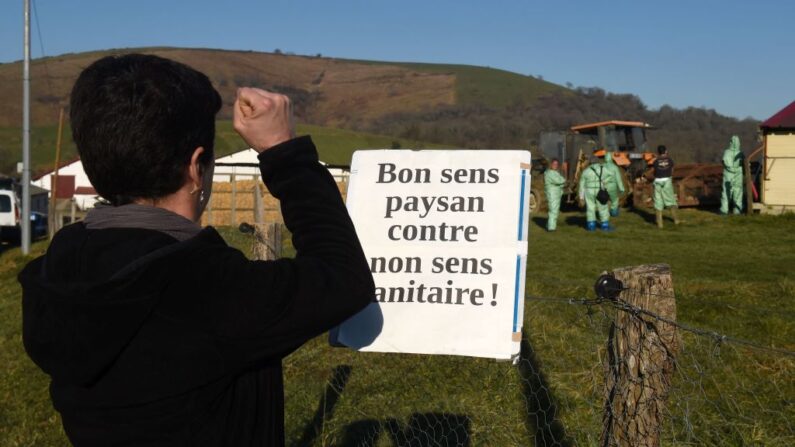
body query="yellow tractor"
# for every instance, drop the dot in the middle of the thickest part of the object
(695, 184)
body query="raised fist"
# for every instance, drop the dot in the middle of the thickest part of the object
(262, 118)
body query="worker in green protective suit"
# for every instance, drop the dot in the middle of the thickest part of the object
(616, 187)
(553, 189)
(731, 197)
(664, 196)
(593, 180)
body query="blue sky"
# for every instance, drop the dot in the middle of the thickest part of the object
(734, 56)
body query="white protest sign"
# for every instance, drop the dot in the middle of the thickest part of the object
(445, 234)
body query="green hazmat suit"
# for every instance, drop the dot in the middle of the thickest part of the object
(732, 193)
(589, 187)
(664, 196)
(553, 189)
(615, 187)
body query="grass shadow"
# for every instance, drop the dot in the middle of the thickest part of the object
(648, 216)
(541, 222)
(364, 433)
(422, 430)
(325, 409)
(576, 220)
(541, 418)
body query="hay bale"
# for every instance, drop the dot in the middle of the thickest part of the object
(219, 210)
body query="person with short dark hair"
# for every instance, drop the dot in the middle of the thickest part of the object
(664, 196)
(553, 190)
(152, 329)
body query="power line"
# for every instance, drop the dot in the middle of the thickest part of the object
(41, 46)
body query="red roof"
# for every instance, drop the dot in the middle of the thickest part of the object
(785, 118)
(47, 171)
(86, 190)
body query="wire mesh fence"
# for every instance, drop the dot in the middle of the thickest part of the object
(608, 365)
(721, 390)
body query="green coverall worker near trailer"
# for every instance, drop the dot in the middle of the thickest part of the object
(553, 189)
(616, 187)
(731, 197)
(664, 196)
(594, 178)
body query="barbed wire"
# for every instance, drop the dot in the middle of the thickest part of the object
(622, 305)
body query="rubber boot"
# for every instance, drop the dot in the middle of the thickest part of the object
(659, 220)
(590, 226)
(606, 227)
(614, 212)
(675, 214)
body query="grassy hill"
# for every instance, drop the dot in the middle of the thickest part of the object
(460, 105)
(321, 87)
(722, 393)
(335, 146)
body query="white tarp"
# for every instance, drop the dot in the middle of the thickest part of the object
(445, 234)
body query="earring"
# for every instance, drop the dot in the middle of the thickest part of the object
(201, 196)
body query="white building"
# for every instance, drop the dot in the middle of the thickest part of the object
(244, 165)
(73, 183)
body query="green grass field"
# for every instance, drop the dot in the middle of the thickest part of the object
(335, 146)
(731, 275)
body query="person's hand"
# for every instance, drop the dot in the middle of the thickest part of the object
(262, 118)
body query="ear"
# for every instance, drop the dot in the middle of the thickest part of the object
(195, 168)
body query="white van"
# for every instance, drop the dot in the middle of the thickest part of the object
(9, 215)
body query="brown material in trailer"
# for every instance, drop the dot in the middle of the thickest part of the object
(695, 184)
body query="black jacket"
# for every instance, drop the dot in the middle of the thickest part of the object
(150, 341)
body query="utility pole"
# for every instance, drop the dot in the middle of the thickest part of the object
(25, 217)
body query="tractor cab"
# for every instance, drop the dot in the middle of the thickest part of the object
(626, 140)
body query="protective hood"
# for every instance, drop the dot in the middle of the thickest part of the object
(732, 157)
(734, 144)
(85, 300)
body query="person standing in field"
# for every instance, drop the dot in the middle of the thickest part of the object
(731, 198)
(152, 329)
(553, 189)
(616, 186)
(593, 192)
(664, 196)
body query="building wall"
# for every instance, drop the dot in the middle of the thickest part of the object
(75, 168)
(779, 185)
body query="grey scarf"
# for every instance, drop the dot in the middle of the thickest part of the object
(141, 216)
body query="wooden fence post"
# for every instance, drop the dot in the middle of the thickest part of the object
(640, 358)
(267, 243)
(259, 212)
(210, 210)
(233, 212)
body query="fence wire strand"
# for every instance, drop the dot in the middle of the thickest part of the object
(720, 389)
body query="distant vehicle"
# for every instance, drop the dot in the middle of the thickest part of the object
(9, 215)
(10, 230)
(38, 225)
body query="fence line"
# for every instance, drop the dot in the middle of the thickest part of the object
(626, 307)
(701, 394)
